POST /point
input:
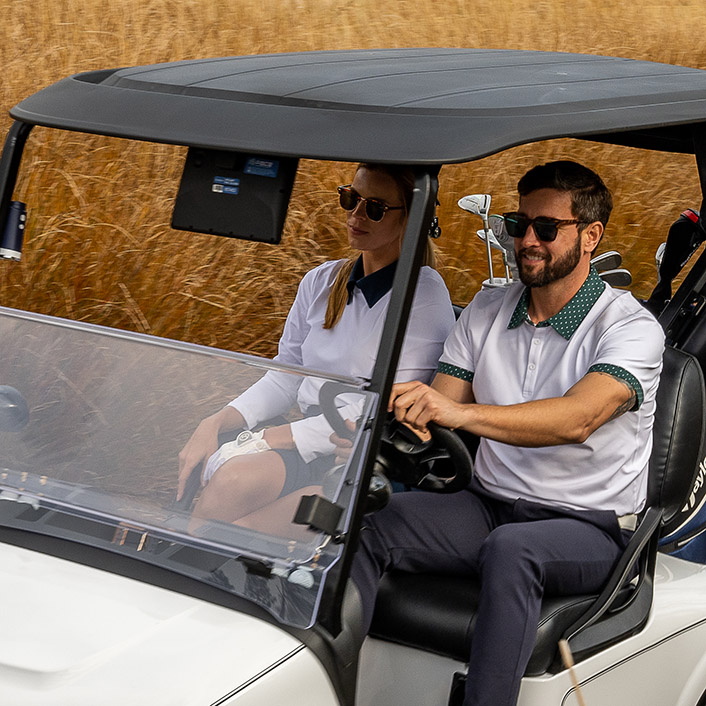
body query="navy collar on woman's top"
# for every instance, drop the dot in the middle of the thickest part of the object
(375, 285)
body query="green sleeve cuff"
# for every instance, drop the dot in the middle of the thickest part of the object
(455, 371)
(621, 374)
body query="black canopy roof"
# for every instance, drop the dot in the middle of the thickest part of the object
(418, 106)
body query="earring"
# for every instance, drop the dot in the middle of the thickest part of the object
(434, 228)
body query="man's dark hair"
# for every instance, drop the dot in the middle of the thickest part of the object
(590, 198)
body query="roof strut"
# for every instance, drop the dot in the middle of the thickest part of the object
(678, 316)
(10, 165)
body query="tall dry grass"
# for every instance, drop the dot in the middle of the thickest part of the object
(99, 247)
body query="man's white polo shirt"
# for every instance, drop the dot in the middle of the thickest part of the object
(510, 360)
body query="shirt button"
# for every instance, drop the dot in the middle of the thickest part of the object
(532, 366)
(535, 341)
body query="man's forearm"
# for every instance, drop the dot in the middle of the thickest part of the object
(570, 419)
(549, 422)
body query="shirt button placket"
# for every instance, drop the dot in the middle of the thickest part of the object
(535, 350)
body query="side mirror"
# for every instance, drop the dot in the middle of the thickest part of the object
(14, 413)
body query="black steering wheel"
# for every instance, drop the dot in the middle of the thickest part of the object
(442, 465)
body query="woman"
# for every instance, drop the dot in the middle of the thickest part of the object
(334, 325)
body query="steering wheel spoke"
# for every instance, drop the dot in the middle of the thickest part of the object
(442, 464)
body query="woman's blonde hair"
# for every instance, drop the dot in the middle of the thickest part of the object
(338, 296)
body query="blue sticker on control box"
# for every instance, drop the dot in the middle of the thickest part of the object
(262, 167)
(225, 185)
(226, 181)
(222, 189)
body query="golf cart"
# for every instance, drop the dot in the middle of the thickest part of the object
(107, 595)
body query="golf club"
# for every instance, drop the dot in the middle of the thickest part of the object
(617, 278)
(607, 261)
(508, 255)
(479, 205)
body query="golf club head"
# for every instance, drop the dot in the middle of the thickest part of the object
(499, 237)
(507, 250)
(610, 260)
(497, 225)
(617, 278)
(659, 255)
(491, 236)
(478, 204)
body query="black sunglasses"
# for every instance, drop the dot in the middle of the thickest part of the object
(545, 228)
(374, 209)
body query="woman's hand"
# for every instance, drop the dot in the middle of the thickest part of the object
(344, 447)
(204, 442)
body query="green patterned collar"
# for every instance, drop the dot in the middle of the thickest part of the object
(570, 317)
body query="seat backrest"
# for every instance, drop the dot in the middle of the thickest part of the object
(676, 477)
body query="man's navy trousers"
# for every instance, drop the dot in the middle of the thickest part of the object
(520, 550)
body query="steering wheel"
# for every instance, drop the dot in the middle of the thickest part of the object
(328, 393)
(441, 465)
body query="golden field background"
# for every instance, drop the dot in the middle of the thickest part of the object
(99, 247)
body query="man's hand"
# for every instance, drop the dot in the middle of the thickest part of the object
(417, 404)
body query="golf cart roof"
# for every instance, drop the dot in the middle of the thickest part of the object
(414, 106)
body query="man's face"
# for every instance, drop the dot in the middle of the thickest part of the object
(540, 263)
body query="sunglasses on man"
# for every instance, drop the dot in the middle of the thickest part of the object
(546, 229)
(375, 210)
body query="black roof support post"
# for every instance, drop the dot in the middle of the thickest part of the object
(403, 289)
(10, 164)
(690, 297)
(698, 132)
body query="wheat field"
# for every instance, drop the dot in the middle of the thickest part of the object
(99, 247)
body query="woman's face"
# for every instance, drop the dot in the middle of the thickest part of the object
(379, 241)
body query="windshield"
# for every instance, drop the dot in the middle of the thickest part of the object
(93, 457)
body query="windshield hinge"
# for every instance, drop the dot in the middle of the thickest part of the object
(319, 513)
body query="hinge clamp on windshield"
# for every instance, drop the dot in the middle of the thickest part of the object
(319, 514)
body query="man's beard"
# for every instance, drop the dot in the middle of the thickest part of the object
(552, 271)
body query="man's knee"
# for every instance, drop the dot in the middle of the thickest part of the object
(507, 552)
(388, 523)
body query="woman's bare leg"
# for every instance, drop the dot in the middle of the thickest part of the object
(276, 518)
(240, 486)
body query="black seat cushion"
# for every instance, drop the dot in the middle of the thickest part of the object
(437, 614)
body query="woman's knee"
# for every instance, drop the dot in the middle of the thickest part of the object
(227, 480)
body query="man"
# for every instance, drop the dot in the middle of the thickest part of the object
(558, 378)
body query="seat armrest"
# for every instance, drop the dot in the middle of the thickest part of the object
(641, 547)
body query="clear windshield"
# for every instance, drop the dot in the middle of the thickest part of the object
(94, 456)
